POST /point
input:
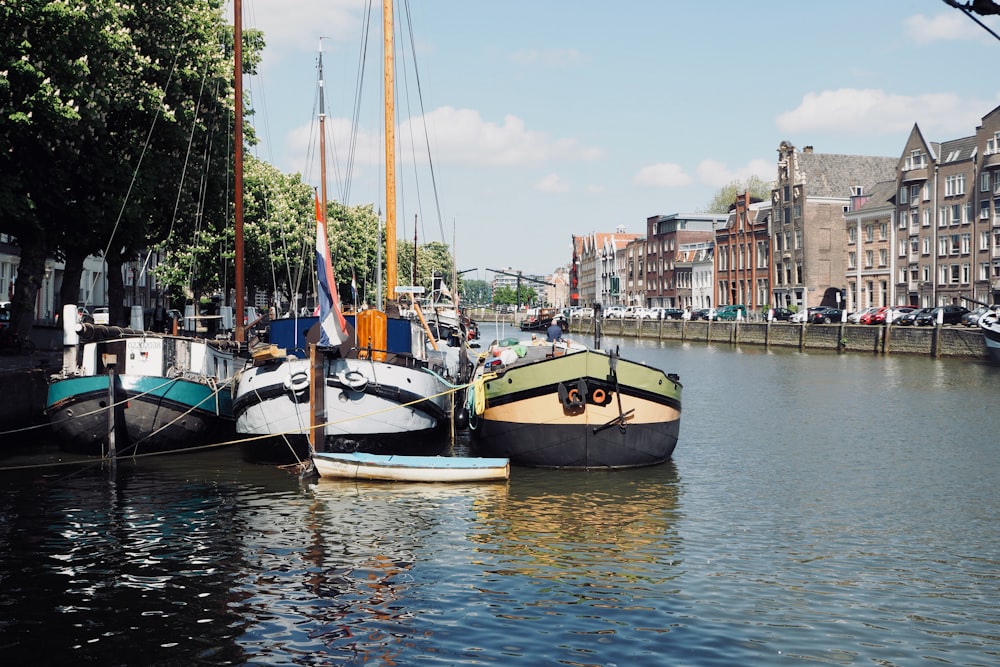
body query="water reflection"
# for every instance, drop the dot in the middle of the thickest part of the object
(94, 563)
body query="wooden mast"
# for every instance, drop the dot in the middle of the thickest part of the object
(240, 333)
(317, 397)
(390, 153)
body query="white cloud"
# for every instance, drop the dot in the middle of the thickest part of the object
(662, 175)
(857, 112)
(286, 31)
(552, 183)
(950, 26)
(463, 136)
(458, 136)
(718, 174)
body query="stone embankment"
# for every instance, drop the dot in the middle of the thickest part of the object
(945, 341)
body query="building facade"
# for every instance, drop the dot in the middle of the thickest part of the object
(812, 193)
(665, 234)
(872, 249)
(743, 255)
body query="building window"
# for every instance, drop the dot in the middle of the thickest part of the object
(869, 256)
(883, 231)
(954, 185)
(869, 233)
(984, 209)
(883, 257)
(956, 214)
(984, 240)
(966, 243)
(993, 144)
(967, 213)
(903, 192)
(984, 181)
(851, 234)
(852, 259)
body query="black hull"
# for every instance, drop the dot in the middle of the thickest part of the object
(82, 426)
(576, 446)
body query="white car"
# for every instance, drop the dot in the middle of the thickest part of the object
(102, 316)
(616, 312)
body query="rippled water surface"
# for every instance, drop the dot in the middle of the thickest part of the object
(820, 509)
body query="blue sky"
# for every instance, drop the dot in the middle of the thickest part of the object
(548, 118)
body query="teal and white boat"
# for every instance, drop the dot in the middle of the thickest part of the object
(152, 392)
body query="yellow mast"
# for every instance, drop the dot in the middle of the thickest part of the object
(390, 154)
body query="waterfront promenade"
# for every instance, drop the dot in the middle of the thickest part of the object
(946, 341)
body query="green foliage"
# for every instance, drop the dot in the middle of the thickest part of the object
(475, 291)
(726, 196)
(432, 258)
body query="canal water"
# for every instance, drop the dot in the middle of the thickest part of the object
(819, 509)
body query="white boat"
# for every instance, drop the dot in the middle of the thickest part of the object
(382, 382)
(358, 465)
(989, 324)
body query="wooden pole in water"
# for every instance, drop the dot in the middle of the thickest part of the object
(317, 401)
(112, 409)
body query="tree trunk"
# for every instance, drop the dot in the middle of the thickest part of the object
(116, 292)
(29, 279)
(69, 292)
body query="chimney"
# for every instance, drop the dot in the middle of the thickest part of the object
(807, 149)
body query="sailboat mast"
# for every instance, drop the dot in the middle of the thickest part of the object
(239, 333)
(390, 152)
(322, 139)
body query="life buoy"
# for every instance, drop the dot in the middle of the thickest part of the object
(598, 396)
(353, 379)
(297, 382)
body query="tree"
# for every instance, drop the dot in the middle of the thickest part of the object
(102, 103)
(475, 291)
(724, 199)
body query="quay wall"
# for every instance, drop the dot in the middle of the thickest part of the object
(949, 341)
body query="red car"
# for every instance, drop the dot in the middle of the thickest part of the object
(868, 317)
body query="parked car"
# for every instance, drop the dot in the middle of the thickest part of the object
(633, 312)
(971, 318)
(672, 313)
(897, 312)
(732, 312)
(703, 314)
(868, 317)
(102, 316)
(806, 315)
(779, 314)
(615, 312)
(910, 319)
(4, 317)
(949, 315)
(855, 318)
(825, 315)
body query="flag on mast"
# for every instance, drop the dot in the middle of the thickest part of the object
(332, 325)
(354, 289)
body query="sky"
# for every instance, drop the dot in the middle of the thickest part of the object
(547, 119)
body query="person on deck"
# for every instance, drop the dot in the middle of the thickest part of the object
(554, 332)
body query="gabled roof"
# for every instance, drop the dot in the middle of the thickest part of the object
(880, 195)
(832, 175)
(957, 150)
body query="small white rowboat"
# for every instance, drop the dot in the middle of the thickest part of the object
(410, 468)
